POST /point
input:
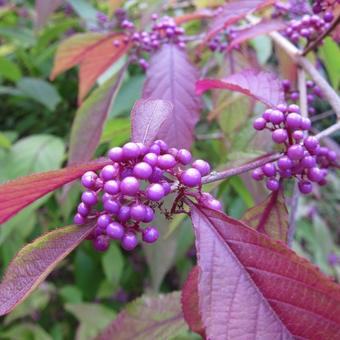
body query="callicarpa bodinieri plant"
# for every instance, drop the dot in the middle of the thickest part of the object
(236, 94)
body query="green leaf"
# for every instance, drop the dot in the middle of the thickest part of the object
(21, 36)
(71, 294)
(263, 46)
(84, 9)
(113, 263)
(4, 141)
(41, 91)
(9, 70)
(25, 331)
(116, 131)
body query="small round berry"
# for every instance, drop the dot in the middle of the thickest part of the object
(282, 107)
(332, 156)
(137, 212)
(297, 135)
(293, 108)
(173, 151)
(295, 152)
(130, 151)
(286, 84)
(79, 219)
(266, 115)
(269, 170)
(99, 184)
(293, 121)
(202, 166)
(311, 143)
(101, 243)
(308, 162)
(315, 174)
(83, 209)
(284, 163)
(322, 151)
(285, 173)
(115, 230)
(103, 221)
(155, 192)
(150, 235)
(111, 206)
(126, 173)
(294, 96)
(142, 170)
(259, 124)
(109, 172)
(166, 161)
(213, 204)
(149, 214)
(106, 197)
(279, 136)
(164, 146)
(257, 174)
(154, 148)
(142, 148)
(89, 198)
(88, 180)
(166, 186)
(129, 186)
(129, 241)
(272, 184)
(124, 214)
(111, 187)
(305, 187)
(191, 178)
(151, 159)
(277, 117)
(156, 175)
(328, 17)
(184, 156)
(305, 123)
(116, 154)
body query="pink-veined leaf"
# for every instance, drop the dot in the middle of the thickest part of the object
(232, 12)
(35, 261)
(199, 15)
(190, 302)
(253, 287)
(17, 194)
(262, 27)
(149, 317)
(172, 77)
(90, 119)
(44, 8)
(270, 217)
(260, 85)
(147, 117)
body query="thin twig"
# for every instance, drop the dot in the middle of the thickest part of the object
(322, 115)
(303, 92)
(330, 130)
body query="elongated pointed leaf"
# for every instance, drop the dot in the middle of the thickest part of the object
(35, 261)
(90, 119)
(252, 287)
(270, 217)
(147, 118)
(172, 77)
(17, 194)
(149, 317)
(260, 85)
(199, 15)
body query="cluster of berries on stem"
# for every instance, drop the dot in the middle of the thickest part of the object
(303, 156)
(126, 193)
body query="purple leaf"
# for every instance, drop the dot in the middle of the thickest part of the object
(17, 194)
(253, 287)
(147, 117)
(90, 118)
(172, 77)
(260, 85)
(149, 317)
(262, 27)
(44, 8)
(35, 261)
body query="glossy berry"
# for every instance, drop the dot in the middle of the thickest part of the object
(184, 156)
(166, 161)
(149, 214)
(111, 206)
(129, 241)
(191, 178)
(79, 219)
(88, 180)
(259, 124)
(116, 154)
(295, 152)
(129, 186)
(101, 243)
(266, 115)
(166, 186)
(311, 143)
(109, 172)
(156, 175)
(202, 166)
(293, 121)
(308, 162)
(130, 151)
(164, 146)
(123, 214)
(305, 187)
(150, 235)
(137, 212)
(305, 124)
(213, 204)
(279, 136)
(155, 192)
(83, 209)
(272, 184)
(115, 230)
(328, 16)
(269, 170)
(142, 170)
(315, 174)
(151, 159)
(276, 117)
(89, 197)
(257, 174)
(297, 135)
(103, 221)
(111, 187)
(285, 163)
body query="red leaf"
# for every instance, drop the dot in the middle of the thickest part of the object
(149, 317)
(17, 194)
(90, 118)
(270, 217)
(233, 11)
(199, 15)
(147, 118)
(35, 261)
(261, 85)
(190, 302)
(44, 9)
(252, 287)
(262, 27)
(172, 77)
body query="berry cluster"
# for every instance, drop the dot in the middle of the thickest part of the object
(313, 92)
(325, 7)
(133, 186)
(303, 157)
(309, 27)
(221, 41)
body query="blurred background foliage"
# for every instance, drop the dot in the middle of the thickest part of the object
(88, 289)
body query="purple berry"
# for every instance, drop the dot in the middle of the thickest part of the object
(111, 206)
(116, 154)
(101, 243)
(164, 147)
(124, 214)
(269, 169)
(111, 187)
(129, 186)
(115, 230)
(293, 121)
(259, 124)
(293, 108)
(109, 172)
(142, 170)
(305, 123)
(155, 192)
(282, 107)
(129, 241)
(311, 143)
(284, 163)
(279, 136)
(267, 115)
(156, 176)
(89, 198)
(137, 212)
(277, 117)
(305, 187)
(106, 197)
(332, 156)
(328, 16)
(79, 219)
(154, 148)
(130, 151)
(202, 166)
(149, 214)
(294, 96)
(184, 156)
(295, 152)
(103, 221)
(166, 186)
(173, 151)
(272, 184)
(308, 162)
(150, 235)
(151, 159)
(166, 161)
(257, 174)
(83, 209)
(143, 149)
(191, 178)
(315, 174)
(213, 204)
(297, 135)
